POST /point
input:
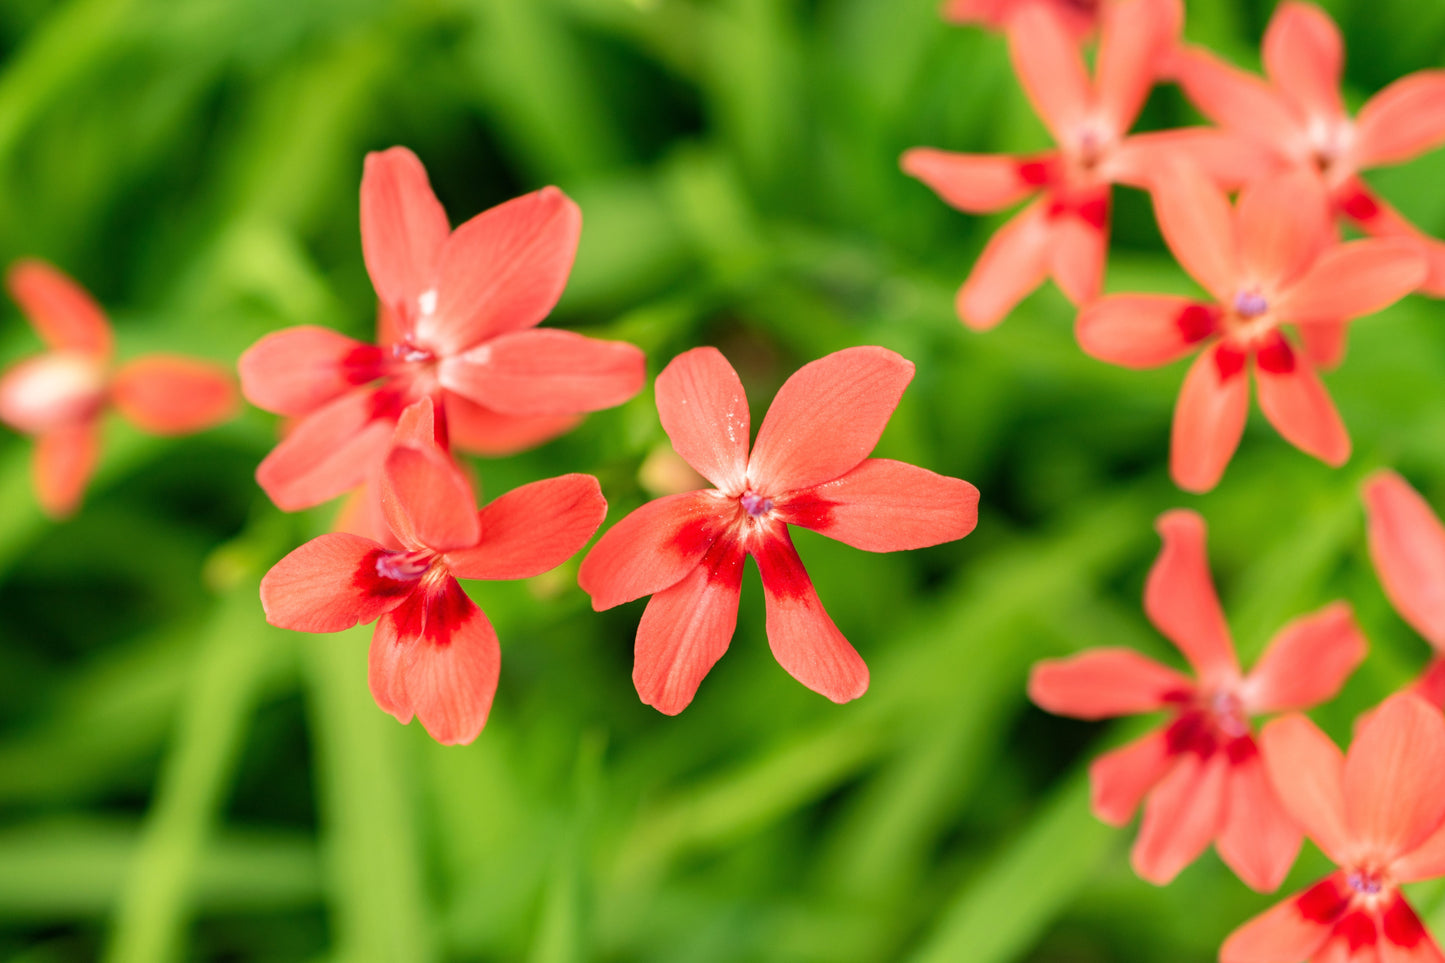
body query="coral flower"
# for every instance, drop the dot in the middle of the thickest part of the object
(1299, 117)
(1377, 812)
(1407, 543)
(1079, 17)
(463, 308)
(1063, 233)
(59, 397)
(434, 653)
(809, 467)
(1270, 262)
(1202, 772)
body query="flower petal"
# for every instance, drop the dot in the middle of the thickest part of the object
(1356, 278)
(1238, 100)
(1051, 69)
(329, 584)
(1375, 217)
(1405, 938)
(1297, 404)
(654, 547)
(1306, 663)
(1208, 418)
(1307, 772)
(403, 227)
(1199, 228)
(1304, 57)
(1135, 37)
(65, 458)
(885, 506)
(546, 372)
(976, 183)
(170, 395)
(686, 628)
(1283, 225)
(705, 414)
(52, 390)
(1394, 777)
(64, 315)
(1259, 840)
(386, 674)
(1224, 157)
(1407, 544)
(803, 638)
(1403, 121)
(533, 529)
(1103, 683)
(1180, 600)
(1181, 816)
(1013, 263)
(480, 430)
(827, 417)
(1121, 778)
(502, 271)
(296, 371)
(1324, 343)
(331, 451)
(1290, 931)
(1425, 861)
(1078, 250)
(1144, 330)
(427, 500)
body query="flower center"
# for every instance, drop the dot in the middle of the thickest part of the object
(1250, 304)
(50, 390)
(403, 566)
(1228, 714)
(1366, 882)
(755, 505)
(409, 353)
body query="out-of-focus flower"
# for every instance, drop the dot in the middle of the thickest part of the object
(809, 467)
(1377, 813)
(1202, 772)
(60, 396)
(1269, 262)
(459, 326)
(434, 653)
(1078, 17)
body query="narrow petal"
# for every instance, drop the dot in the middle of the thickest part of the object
(1013, 263)
(1294, 930)
(1297, 404)
(1238, 100)
(1283, 225)
(1135, 37)
(976, 183)
(1198, 226)
(1120, 779)
(827, 417)
(1224, 157)
(1144, 330)
(1103, 683)
(803, 638)
(480, 430)
(885, 506)
(1407, 544)
(1259, 840)
(502, 271)
(171, 395)
(1078, 250)
(1208, 418)
(386, 674)
(1394, 777)
(427, 500)
(1324, 343)
(705, 414)
(686, 628)
(1307, 662)
(331, 451)
(450, 664)
(403, 227)
(1180, 600)
(295, 371)
(654, 547)
(1405, 938)
(329, 584)
(1356, 278)
(1307, 772)
(546, 372)
(1304, 57)
(1375, 217)
(65, 458)
(533, 529)
(1051, 68)
(1403, 121)
(64, 315)
(1181, 816)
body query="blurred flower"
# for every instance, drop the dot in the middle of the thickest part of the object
(1298, 116)
(434, 654)
(1201, 773)
(1078, 17)
(59, 396)
(460, 310)
(1271, 261)
(809, 467)
(1064, 232)
(1377, 813)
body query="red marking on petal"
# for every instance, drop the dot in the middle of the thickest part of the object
(1095, 212)
(1035, 172)
(1198, 321)
(1241, 750)
(1229, 361)
(362, 364)
(1323, 902)
(1191, 732)
(1276, 356)
(445, 609)
(1359, 206)
(1401, 926)
(368, 578)
(1357, 929)
(810, 510)
(387, 404)
(782, 571)
(696, 537)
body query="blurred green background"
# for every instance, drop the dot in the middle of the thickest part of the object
(180, 781)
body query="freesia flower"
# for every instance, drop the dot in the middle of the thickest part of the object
(60, 396)
(1202, 772)
(1064, 231)
(1269, 262)
(808, 467)
(1299, 117)
(1407, 543)
(1377, 812)
(465, 305)
(1079, 17)
(434, 653)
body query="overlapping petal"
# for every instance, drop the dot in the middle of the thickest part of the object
(1283, 224)
(172, 395)
(1236, 99)
(1394, 777)
(1182, 815)
(886, 506)
(427, 500)
(705, 413)
(532, 529)
(1407, 544)
(546, 372)
(1078, 250)
(1199, 227)
(1120, 779)
(480, 430)
(330, 452)
(1356, 278)
(1308, 772)
(1403, 121)
(1258, 839)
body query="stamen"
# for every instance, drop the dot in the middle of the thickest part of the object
(1365, 883)
(1250, 304)
(756, 505)
(406, 351)
(403, 566)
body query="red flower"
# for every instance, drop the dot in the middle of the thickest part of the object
(1377, 813)
(1064, 232)
(1202, 773)
(465, 305)
(1407, 543)
(59, 396)
(1268, 263)
(1078, 17)
(1299, 117)
(434, 654)
(809, 467)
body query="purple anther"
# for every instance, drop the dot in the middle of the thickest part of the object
(406, 351)
(1250, 304)
(755, 504)
(1367, 884)
(403, 566)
